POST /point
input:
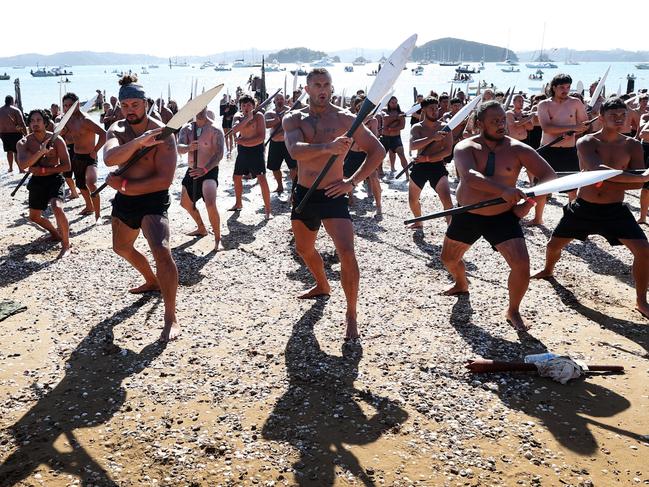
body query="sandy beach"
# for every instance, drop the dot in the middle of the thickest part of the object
(259, 390)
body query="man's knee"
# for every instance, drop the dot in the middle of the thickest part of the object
(122, 248)
(161, 254)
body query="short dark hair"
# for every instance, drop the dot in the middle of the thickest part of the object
(40, 112)
(315, 72)
(455, 100)
(246, 99)
(9, 100)
(482, 109)
(429, 100)
(70, 96)
(443, 96)
(499, 93)
(559, 79)
(613, 103)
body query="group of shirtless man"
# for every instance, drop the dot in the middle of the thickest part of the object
(488, 164)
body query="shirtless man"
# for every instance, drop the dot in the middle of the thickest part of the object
(46, 183)
(518, 124)
(209, 147)
(251, 128)
(393, 122)
(643, 136)
(312, 136)
(88, 137)
(601, 209)
(165, 113)
(488, 166)
(229, 111)
(277, 152)
(560, 114)
(142, 197)
(433, 146)
(12, 128)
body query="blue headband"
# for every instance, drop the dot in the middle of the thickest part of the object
(131, 91)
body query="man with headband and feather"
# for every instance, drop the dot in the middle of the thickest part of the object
(142, 197)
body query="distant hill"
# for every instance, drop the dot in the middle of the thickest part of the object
(296, 54)
(562, 54)
(452, 49)
(79, 58)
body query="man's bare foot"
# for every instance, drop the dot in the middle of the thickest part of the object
(171, 331)
(218, 245)
(543, 274)
(64, 252)
(457, 289)
(73, 196)
(268, 216)
(278, 190)
(515, 319)
(315, 292)
(199, 232)
(533, 223)
(415, 226)
(643, 309)
(352, 328)
(642, 221)
(50, 237)
(235, 208)
(147, 287)
(86, 212)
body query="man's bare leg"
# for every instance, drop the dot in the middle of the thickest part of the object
(73, 188)
(452, 253)
(209, 197)
(538, 211)
(265, 192)
(156, 231)
(62, 226)
(552, 255)
(36, 216)
(91, 183)
(10, 160)
(414, 192)
(640, 250)
(305, 247)
(341, 232)
(515, 253)
(391, 158)
(237, 181)
(375, 187)
(644, 205)
(123, 239)
(186, 203)
(280, 182)
(404, 162)
(444, 192)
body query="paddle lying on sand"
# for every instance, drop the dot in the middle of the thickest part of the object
(384, 80)
(452, 124)
(258, 108)
(281, 117)
(559, 138)
(57, 131)
(567, 183)
(484, 365)
(184, 115)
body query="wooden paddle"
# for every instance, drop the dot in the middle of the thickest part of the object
(57, 131)
(184, 115)
(384, 80)
(259, 107)
(456, 120)
(559, 138)
(482, 365)
(277, 129)
(567, 183)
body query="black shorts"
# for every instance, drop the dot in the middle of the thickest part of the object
(496, 229)
(534, 137)
(80, 163)
(69, 174)
(613, 221)
(250, 160)
(320, 207)
(226, 124)
(645, 148)
(42, 189)
(131, 209)
(561, 159)
(277, 152)
(391, 142)
(430, 172)
(353, 161)
(188, 183)
(9, 140)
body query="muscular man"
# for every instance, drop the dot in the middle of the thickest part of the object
(208, 145)
(12, 128)
(88, 137)
(518, 124)
(600, 209)
(165, 113)
(488, 166)
(432, 146)
(277, 152)
(251, 128)
(393, 122)
(46, 183)
(558, 115)
(643, 136)
(313, 135)
(142, 197)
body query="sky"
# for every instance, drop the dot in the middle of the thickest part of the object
(202, 27)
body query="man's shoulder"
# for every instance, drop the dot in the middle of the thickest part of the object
(469, 143)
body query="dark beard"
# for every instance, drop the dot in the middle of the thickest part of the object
(136, 121)
(492, 139)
